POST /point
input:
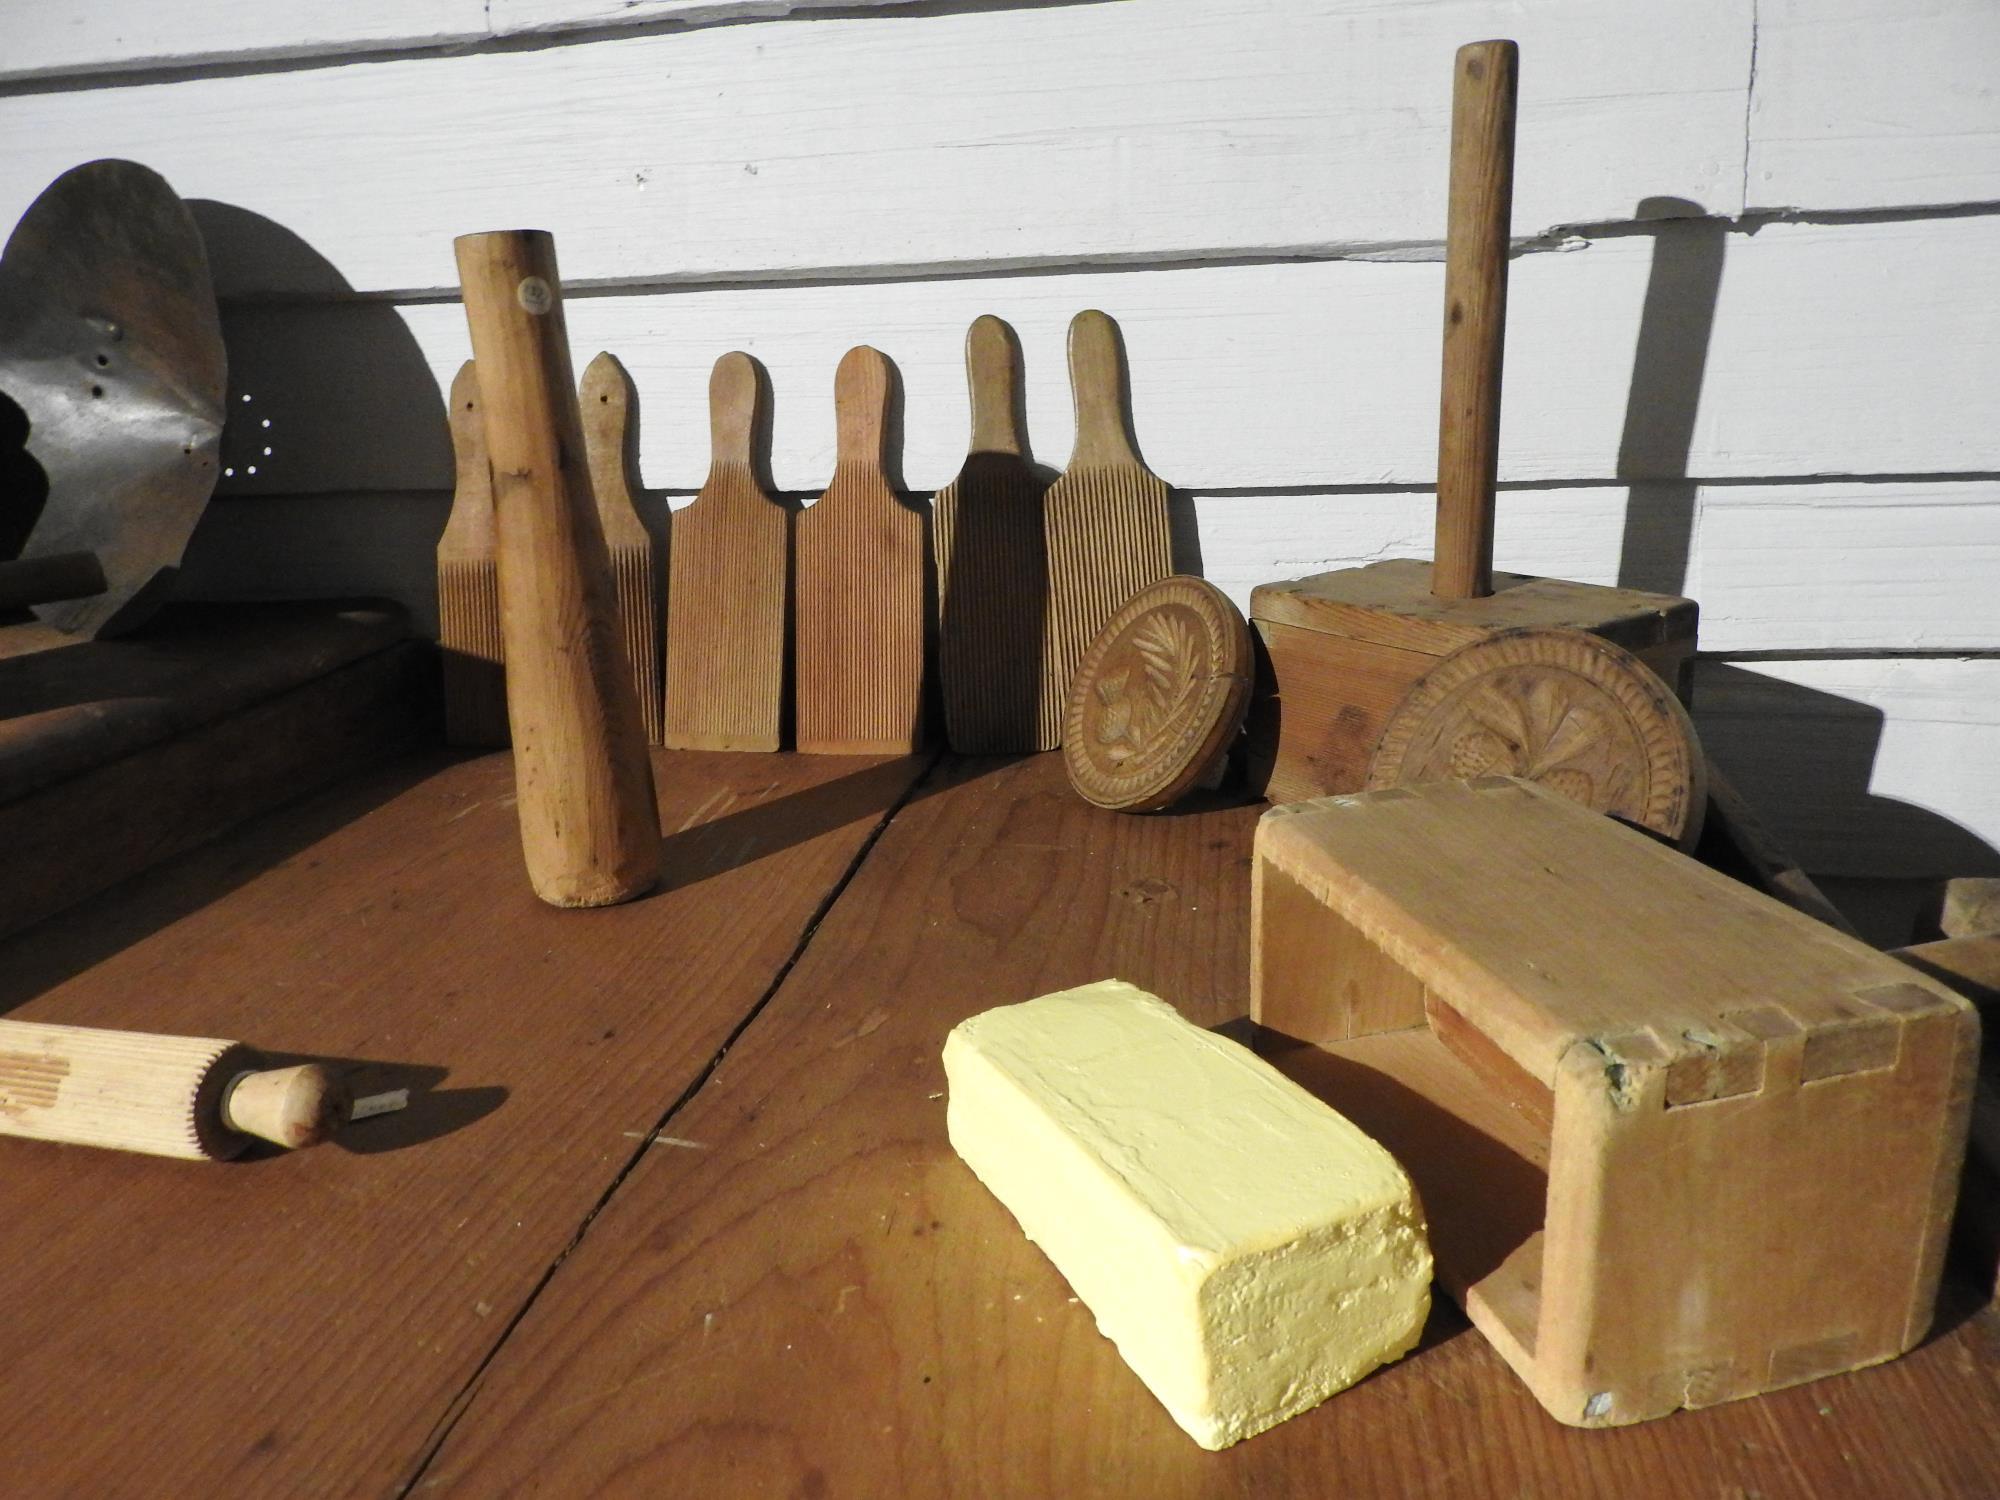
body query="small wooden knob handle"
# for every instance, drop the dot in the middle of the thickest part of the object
(604, 400)
(732, 409)
(1097, 385)
(993, 376)
(290, 1107)
(861, 405)
(1475, 315)
(468, 428)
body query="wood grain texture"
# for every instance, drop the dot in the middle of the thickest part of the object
(730, 585)
(1138, 147)
(1485, 79)
(828, 1239)
(128, 1090)
(1158, 699)
(1714, 1057)
(1562, 709)
(992, 564)
(78, 838)
(585, 798)
(1105, 520)
(858, 615)
(471, 651)
(1231, 373)
(605, 399)
(387, 923)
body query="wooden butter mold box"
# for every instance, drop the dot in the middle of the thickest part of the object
(1678, 1143)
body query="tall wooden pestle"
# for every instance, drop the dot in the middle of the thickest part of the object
(590, 829)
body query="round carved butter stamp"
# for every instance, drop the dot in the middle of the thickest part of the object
(1562, 708)
(1158, 696)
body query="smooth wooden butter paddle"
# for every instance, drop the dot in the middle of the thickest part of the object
(992, 564)
(1105, 519)
(859, 639)
(729, 574)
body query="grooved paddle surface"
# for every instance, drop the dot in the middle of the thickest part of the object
(726, 616)
(1107, 539)
(299, 1324)
(993, 586)
(815, 1297)
(860, 624)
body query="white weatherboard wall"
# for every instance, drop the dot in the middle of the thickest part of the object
(1753, 347)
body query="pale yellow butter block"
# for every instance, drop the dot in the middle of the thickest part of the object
(1248, 1250)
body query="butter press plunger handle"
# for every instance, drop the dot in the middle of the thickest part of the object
(1475, 315)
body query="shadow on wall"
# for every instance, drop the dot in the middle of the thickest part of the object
(351, 370)
(1803, 758)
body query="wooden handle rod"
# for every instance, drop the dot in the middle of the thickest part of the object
(993, 381)
(1475, 315)
(584, 785)
(192, 1097)
(1097, 386)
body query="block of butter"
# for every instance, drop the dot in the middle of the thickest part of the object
(1247, 1249)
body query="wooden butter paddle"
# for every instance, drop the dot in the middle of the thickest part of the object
(474, 661)
(605, 397)
(992, 565)
(728, 578)
(1105, 519)
(860, 618)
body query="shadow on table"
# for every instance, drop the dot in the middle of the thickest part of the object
(431, 1114)
(80, 937)
(742, 837)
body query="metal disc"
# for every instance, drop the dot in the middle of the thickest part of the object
(110, 343)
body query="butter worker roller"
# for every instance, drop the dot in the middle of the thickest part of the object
(1248, 1250)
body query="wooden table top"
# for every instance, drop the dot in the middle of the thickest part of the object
(673, 1210)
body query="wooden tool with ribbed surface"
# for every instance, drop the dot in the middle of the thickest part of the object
(729, 578)
(186, 1096)
(860, 616)
(992, 564)
(1105, 520)
(475, 681)
(590, 830)
(606, 401)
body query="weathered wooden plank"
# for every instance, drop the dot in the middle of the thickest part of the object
(1863, 104)
(526, 17)
(1822, 355)
(1826, 566)
(1837, 565)
(974, 136)
(110, 37)
(314, 1315)
(114, 36)
(76, 838)
(818, 1235)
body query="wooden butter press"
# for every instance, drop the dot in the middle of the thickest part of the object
(1678, 1143)
(1340, 652)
